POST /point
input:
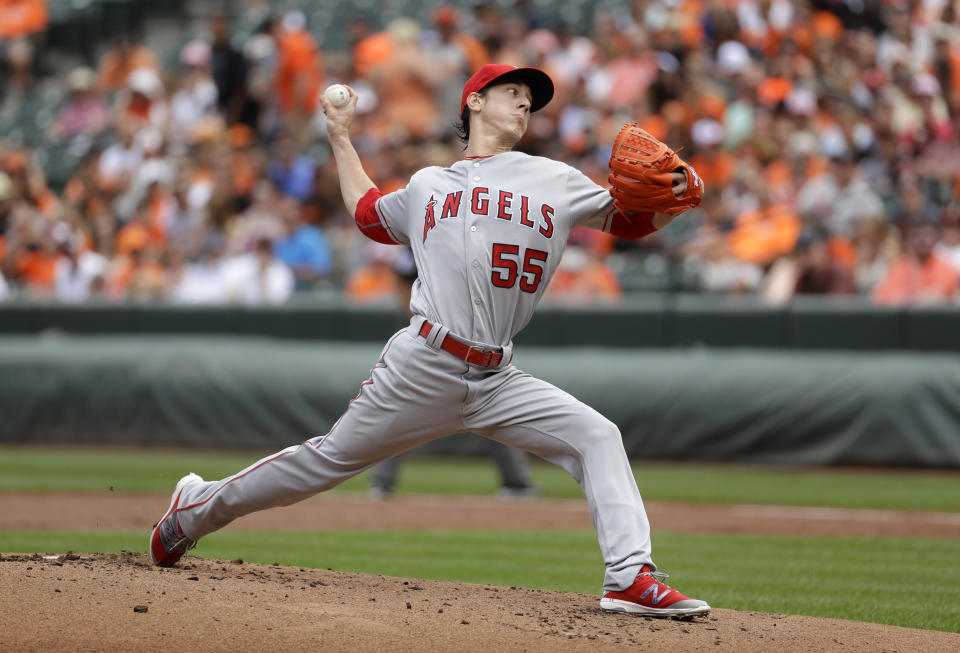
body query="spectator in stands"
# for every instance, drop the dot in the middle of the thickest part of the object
(762, 234)
(299, 73)
(151, 180)
(199, 280)
(20, 18)
(583, 278)
(122, 59)
(717, 164)
(854, 199)
(407, 85)
(369, 48)
(30, 186)
(949, 246)
(919, 276)
(291, 170)
(454, 54)
(801, 114)
(137, 276)
(876, 246)
(85, 112)
(119, 160)
(376, 281)
(18, 77)
(262, 219)
(7, 197)
(142, 103)
(229, 70)
(810, 270)
(195, 100)
(304, 247)
(446, 20)
(257, 277)
(80, 274)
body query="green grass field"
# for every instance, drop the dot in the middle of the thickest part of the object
(24, 469)
(905, 582)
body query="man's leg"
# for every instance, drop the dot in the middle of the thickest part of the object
(514, 467)
(383, 476)
(520, 410)
(525, 412)
(410, 398)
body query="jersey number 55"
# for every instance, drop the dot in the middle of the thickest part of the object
(509, 265)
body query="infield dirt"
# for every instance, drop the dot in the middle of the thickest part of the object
(120, 602)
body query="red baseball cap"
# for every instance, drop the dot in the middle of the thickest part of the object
(541, 86)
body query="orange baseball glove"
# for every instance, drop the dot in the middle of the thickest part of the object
(640, 173)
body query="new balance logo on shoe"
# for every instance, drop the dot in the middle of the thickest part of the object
(656, 597)
(650, 597)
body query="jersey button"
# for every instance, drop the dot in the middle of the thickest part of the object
(476, 178)
(473, 228)
(477, 301)
(476, 263)
(476, 165)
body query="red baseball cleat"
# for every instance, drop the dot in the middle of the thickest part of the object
(652, 598)
(167, 541)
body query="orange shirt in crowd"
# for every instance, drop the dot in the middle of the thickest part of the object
(160, 213)
(690, 27)
(299, 71)
(372, 283)
(761, 236)
(407, 100)
(132, 236)
(953, 57)
(22, 17)
(37, 269)
(372, 52)
(243, 175)
(773, 90)
(116, 66)
(473, 49)
(827, 25)
(843, 251)
(130, 275)
(594, 283)
(908, 281)
(716, 170)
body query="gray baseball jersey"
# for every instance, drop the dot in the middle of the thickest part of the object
(487, 235)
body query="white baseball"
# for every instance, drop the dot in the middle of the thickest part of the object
(337, 94)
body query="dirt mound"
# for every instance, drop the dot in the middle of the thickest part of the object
(120, 602)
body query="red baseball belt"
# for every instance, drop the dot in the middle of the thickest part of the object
(465, 352)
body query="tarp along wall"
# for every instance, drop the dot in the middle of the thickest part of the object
(696, 404)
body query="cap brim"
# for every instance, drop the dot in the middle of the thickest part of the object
(541, 86)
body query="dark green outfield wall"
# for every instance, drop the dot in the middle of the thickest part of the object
(658, 322)
(748, 405)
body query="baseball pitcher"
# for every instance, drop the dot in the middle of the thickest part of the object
(487, 234)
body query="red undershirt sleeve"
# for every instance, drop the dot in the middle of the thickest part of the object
(631, 225)
(368, 220)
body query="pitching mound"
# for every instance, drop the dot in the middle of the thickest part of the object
(120, 602)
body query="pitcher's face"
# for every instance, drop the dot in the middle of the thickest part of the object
(507, 107)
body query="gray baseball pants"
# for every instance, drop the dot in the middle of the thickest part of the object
(417, 393)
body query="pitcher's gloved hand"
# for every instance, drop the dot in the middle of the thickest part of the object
(640, 173)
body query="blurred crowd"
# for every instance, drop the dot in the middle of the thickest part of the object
(827, 133)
